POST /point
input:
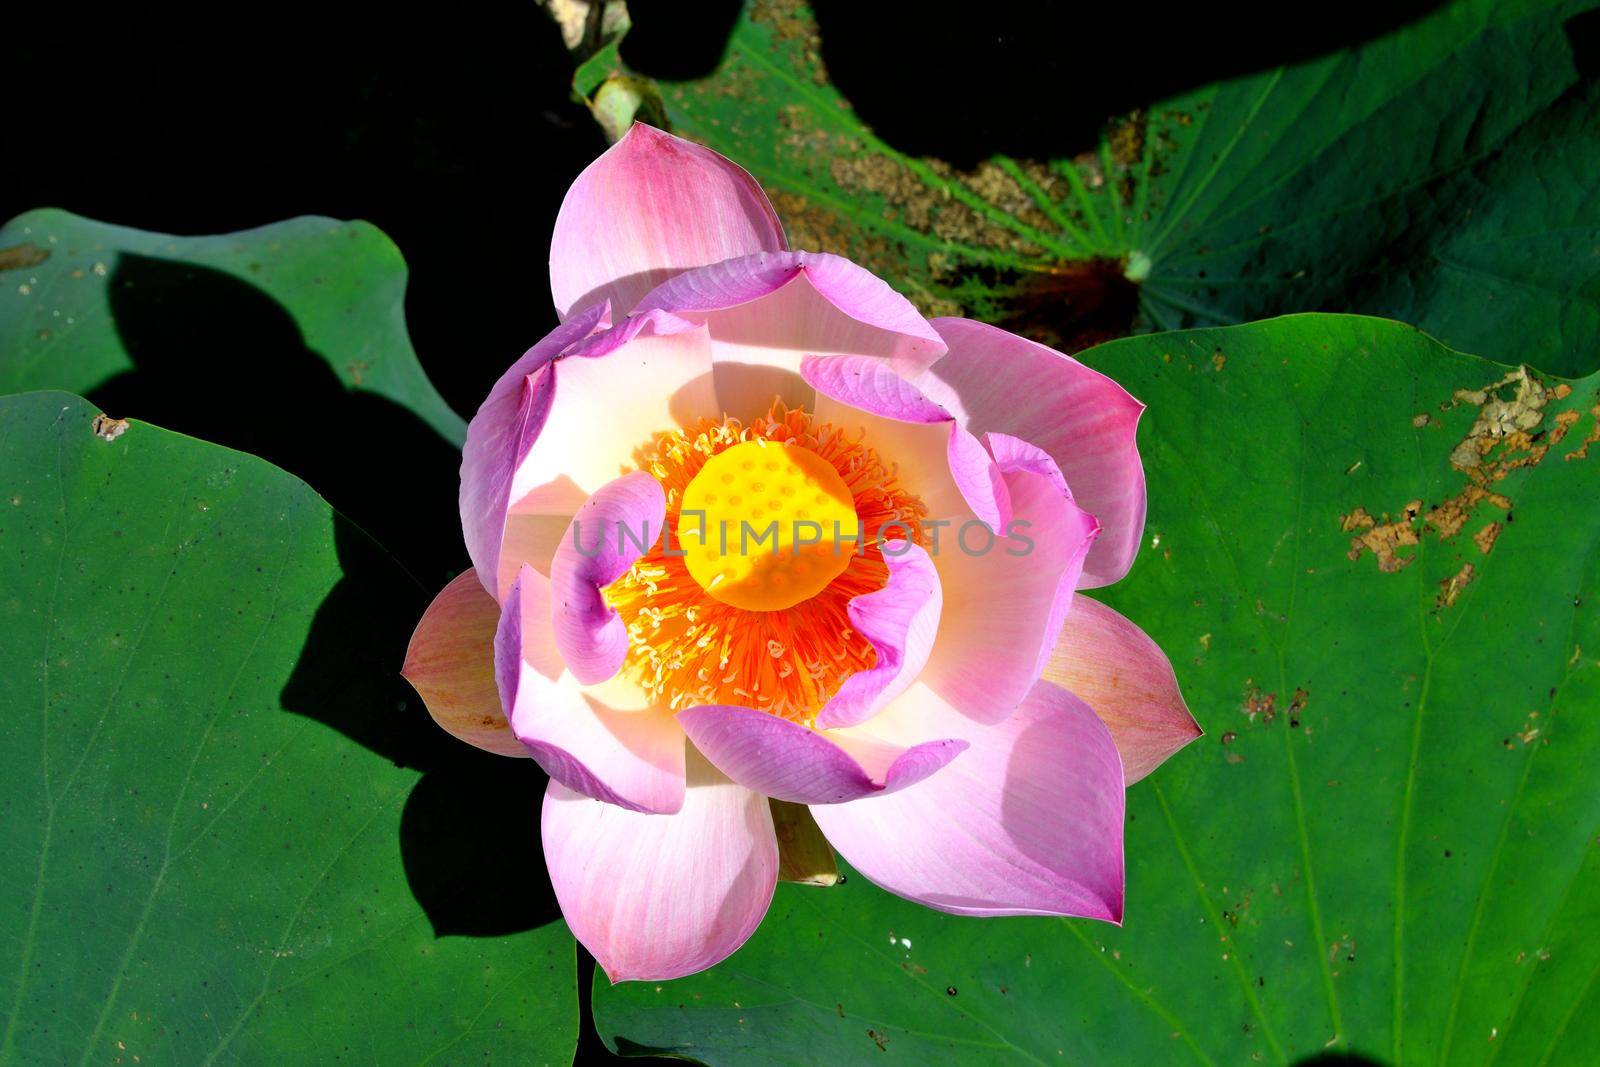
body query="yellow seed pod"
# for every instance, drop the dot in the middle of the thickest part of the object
(766, 525)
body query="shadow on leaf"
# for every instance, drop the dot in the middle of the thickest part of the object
(469, 834)
(219, 359)
(1040, 79)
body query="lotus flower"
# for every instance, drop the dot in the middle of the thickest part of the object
(959, 722)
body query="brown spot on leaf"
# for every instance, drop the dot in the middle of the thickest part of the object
(792, 21)
(1529, 733)
(108, 429)
(1125, 137)
(1503, 423)
(1508, 434)
(26, 254)
(1451, 587)
(1582, 451)
(1344, 947)
(1258, 704)
(1382, 539)
(1297, 704)
(1485, 538)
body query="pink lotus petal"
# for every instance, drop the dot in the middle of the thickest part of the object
(1030, 465)
(619, 524)
(658, 323)
(932, 454)
(996, 381)
(1124, 676)
(782, 759)
(584, 411)
(871, 385)
(1027, 822)
(919, 454)
(1005, 599)
(610, 742)
(725, 284)
(900, 620)
(650, 375)
(532, 537)
(651, 206)
(499, 439)
(654, 897)
(647, 375)
(1014, 455)
(981, 481)
(768, 311)
(450, 663)
(530, 461)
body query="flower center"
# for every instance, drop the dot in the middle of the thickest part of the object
(687, 644)
(766, 525)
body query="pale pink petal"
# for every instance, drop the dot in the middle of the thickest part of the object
(1032, 468)
(617, 525)
(1125, 677)
(1003, 528)
(785, 760)
(557, 426)
(768, 311)
(602, 410)
(931, 454)
(450, 663)
(918, 453)
(532, 536)
(871, 385)
(981, 481)
(651, 206)
(609, 741)
(499, 438)
(1028, 821)
(1005, 597)
(996, 381)
(654, 897)
(900, 621)
(605, 342)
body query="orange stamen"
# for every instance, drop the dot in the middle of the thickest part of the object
(687, 647)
